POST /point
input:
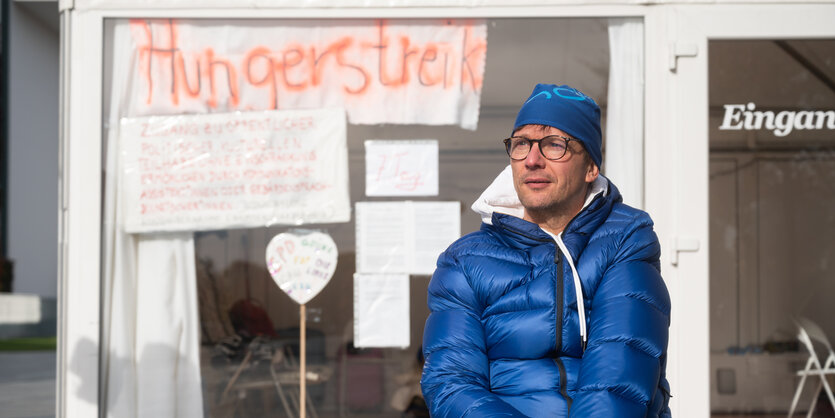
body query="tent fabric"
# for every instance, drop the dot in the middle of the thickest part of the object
(150, 324)
(168, 376)
(624, 147)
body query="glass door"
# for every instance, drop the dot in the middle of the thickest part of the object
(755, 145)
(772, 216)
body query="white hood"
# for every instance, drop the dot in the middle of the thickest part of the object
(500, 196)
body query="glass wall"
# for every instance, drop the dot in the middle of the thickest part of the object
(772, 219)
(249, 328)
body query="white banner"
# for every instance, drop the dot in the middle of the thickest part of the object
(383, 71)
(233, 170)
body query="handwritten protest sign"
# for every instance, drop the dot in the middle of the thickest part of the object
(426, 71)
(244, 169)
(401, 168)
(301, 263)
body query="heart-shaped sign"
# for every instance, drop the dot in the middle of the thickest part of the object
(301, 263)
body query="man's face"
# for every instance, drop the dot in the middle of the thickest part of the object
(552, 187)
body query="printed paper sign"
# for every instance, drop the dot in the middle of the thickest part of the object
(401, 168)
(404, 237)
(383, 71)
(233, 170)
(301, 263)
(381, 310)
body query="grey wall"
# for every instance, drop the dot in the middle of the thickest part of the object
(33, 146)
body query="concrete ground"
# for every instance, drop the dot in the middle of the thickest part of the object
(27, 384)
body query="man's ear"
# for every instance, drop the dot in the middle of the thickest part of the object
(592, 172)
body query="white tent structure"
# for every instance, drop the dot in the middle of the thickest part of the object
(129, 301)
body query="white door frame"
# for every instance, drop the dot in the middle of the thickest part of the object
(676, 176)
(80, 240)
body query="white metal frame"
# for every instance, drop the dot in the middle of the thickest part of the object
(687, 363)
(808, 332)
(80, 218)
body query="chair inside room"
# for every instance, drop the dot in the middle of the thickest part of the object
(811, 335)
(283, 377)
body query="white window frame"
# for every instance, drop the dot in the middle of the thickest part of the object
(80, 239)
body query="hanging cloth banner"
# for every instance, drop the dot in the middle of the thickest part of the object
(382, 71)
(234, 170)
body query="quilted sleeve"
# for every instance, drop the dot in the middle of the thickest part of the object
(622, 374)
(455, 380)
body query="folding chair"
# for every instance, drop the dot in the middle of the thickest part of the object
(284, 376)
(807, 334)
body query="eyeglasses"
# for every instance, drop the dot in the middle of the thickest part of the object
(552, 147)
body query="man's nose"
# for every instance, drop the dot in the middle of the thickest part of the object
(534, 158)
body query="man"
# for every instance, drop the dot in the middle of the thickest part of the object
(556, 306)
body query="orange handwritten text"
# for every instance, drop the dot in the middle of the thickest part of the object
(378, 57)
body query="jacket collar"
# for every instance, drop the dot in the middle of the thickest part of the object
(499, 206)
(580, 229)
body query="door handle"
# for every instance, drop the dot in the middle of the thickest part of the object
(682, 244)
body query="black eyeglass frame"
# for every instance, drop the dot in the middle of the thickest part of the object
(508, 141)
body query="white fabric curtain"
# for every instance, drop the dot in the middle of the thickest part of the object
(624, 160)
(150, 339)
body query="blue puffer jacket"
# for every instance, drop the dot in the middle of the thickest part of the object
(503, 337)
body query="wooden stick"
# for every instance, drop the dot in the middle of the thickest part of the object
(303, 361)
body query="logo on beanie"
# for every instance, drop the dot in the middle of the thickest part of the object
(565, 93)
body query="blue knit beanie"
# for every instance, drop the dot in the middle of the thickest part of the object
(568, 110)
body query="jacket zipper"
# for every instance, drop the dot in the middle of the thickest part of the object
(563, 382)
(559, 293)
(559, 301)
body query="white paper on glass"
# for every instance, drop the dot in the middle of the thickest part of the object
(403, 71)
(404, 237)
(381, 310)
(234, 170)
(401, 167)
